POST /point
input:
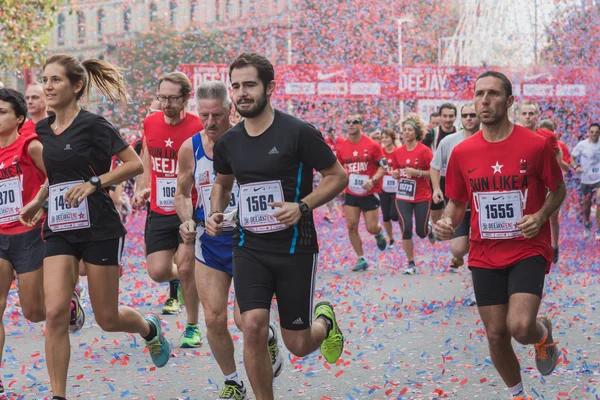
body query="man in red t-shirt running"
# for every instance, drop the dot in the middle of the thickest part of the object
(363, 159)
(164, 133)
(528, 116)
(36, 107)
(504, 171)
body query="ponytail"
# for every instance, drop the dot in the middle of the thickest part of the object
(107, 78)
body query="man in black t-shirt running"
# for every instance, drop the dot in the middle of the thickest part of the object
(272, 156)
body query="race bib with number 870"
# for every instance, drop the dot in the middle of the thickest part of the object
(11, 200)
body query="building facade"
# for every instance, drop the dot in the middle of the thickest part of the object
(87, 28)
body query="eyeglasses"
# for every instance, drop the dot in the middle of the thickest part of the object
(473, 115)
(170, 99)
(353, 122)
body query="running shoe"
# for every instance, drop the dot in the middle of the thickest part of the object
(410, 269)
(171, 307)
(191, 337)
(77, 314)
(456, 263)
(327, 217)
(381, 242)
(431, 235)
(555, 256)
(546, 354)
(2, 395)
(274, 353)
(232, 390)
(159, 347)
(333, 345)
(587, 231)
(361, 265)
(391, 244)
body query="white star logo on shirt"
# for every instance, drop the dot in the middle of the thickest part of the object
(1, 165)
(408, 160)
(355, 153)
(168, 142)
(497, 168)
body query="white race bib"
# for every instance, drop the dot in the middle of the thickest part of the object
(205, 191)
(390, 184)
(356, 183)
(499, 213)
(595, 174)
(255, 213)
(61, 216)
(165, 193)
(11, 200)
(406, 189)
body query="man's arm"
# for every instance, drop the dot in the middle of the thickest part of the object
(455, 211)
(220, 195)
(563, 165)
(185, 182)
(435, 175)
(335, 179)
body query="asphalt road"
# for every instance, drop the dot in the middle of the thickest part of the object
(408, 337)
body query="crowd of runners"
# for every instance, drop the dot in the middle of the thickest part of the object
(230, 192)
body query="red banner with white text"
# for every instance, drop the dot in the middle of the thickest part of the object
(314, 82)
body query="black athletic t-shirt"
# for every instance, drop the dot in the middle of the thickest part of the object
(288, 151)
(84, 150)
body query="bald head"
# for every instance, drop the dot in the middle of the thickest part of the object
(36, 102)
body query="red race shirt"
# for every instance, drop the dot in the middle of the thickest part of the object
(565, 150)
(20, 181)
(361, 161)
(550, 137)
(163, 142)
(504, 181)
(413, 190)
(28, 128)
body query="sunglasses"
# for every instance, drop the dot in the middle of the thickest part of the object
(353, 122)
(473, 115)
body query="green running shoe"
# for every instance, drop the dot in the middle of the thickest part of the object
(333, 345)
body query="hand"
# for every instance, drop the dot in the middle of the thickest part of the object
(531, 224)
(395, 173)
(288, 213)
(579, 170)
(32, 213)
(368, 185)
(188, 233)
(77, 194)
(411, 172)
(214, 224)
(438, 196)
(444, 229)
(139, 198)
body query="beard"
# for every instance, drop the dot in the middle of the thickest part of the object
(256, 110)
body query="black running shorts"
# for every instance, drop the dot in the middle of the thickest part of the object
(464, 228)
(25, 251)
(162, 232)
(365, 203)
(258, 275)
(103, 252)
(495, 286)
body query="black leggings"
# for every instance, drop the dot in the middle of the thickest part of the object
(421, 212)
(388, 208)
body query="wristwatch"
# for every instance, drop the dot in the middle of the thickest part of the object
(375, 180)
(304, 209)
(94, 180)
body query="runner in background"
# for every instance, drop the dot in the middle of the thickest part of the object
(389, 211)
(36, 107)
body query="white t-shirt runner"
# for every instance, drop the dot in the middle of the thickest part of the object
(589, 158)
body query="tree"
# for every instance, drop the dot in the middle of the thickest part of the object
(150, 55)
(25, 30)
(573, 39)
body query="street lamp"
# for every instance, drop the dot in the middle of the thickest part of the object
(400, 21)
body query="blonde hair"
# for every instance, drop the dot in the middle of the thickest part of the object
(178, 78)
(105, 76)
(530, 103)
(414, 120)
